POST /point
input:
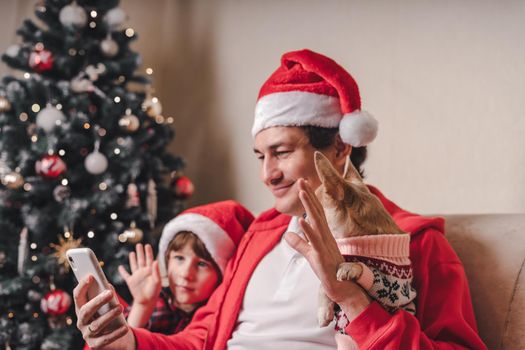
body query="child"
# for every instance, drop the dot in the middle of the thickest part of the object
(193, 252)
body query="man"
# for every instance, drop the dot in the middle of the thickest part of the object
(268, 297)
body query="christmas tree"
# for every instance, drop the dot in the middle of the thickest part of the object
(83, 162)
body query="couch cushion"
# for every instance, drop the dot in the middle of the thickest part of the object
(492, 249)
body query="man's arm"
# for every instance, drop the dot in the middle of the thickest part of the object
(445, 318)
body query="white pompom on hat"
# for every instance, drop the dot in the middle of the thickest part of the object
(311, 89)
(220, 226)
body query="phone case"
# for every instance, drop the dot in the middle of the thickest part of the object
(83, 262)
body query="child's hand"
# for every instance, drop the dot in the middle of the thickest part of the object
(144, 281)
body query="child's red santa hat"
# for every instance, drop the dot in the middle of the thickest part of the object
(220, 226)
(311, 89)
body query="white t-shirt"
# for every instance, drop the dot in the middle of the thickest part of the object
(279, 309)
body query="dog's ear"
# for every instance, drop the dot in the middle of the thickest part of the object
(351, 173)
(332, 181)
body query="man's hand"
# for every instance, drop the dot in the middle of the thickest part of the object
(94, 329)
(323, 255)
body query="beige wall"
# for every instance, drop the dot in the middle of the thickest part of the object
(446, 80)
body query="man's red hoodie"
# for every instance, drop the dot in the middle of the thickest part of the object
(444, 318)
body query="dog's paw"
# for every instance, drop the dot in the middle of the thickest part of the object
(325, 316)
(349, 271)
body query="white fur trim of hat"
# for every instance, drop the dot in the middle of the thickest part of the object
(216, 240)
(299, 108)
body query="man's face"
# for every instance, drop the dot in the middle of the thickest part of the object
(286, 155)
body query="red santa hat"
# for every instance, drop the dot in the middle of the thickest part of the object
(220, 226)
(311, 89)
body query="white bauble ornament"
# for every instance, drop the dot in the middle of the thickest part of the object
(12, 51)
(49, 117)
(96, 163)
(109, 47)
(115, 18)
(73, 16)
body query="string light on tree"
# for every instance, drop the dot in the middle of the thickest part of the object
(23, 117)
(130, 32)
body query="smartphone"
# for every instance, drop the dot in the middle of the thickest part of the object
(83, 262)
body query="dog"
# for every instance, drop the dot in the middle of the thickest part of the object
(354, 214)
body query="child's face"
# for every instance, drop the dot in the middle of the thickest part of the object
(191, 278)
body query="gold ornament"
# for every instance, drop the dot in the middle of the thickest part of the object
(132, 235)
(152, 106)
(129, 123)
(12, 180)
(62, 247)
(5, 105)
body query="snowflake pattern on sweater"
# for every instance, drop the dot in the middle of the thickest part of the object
(391, 287)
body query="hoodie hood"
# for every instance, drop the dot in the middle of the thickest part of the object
(407, 221)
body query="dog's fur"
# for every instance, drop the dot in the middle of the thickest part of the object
(351, 210)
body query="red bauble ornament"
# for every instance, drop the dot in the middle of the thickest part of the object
(55, 303)
(41, 60)
(50, 166)
(183, 187)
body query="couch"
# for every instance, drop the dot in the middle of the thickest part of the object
(492, 249)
